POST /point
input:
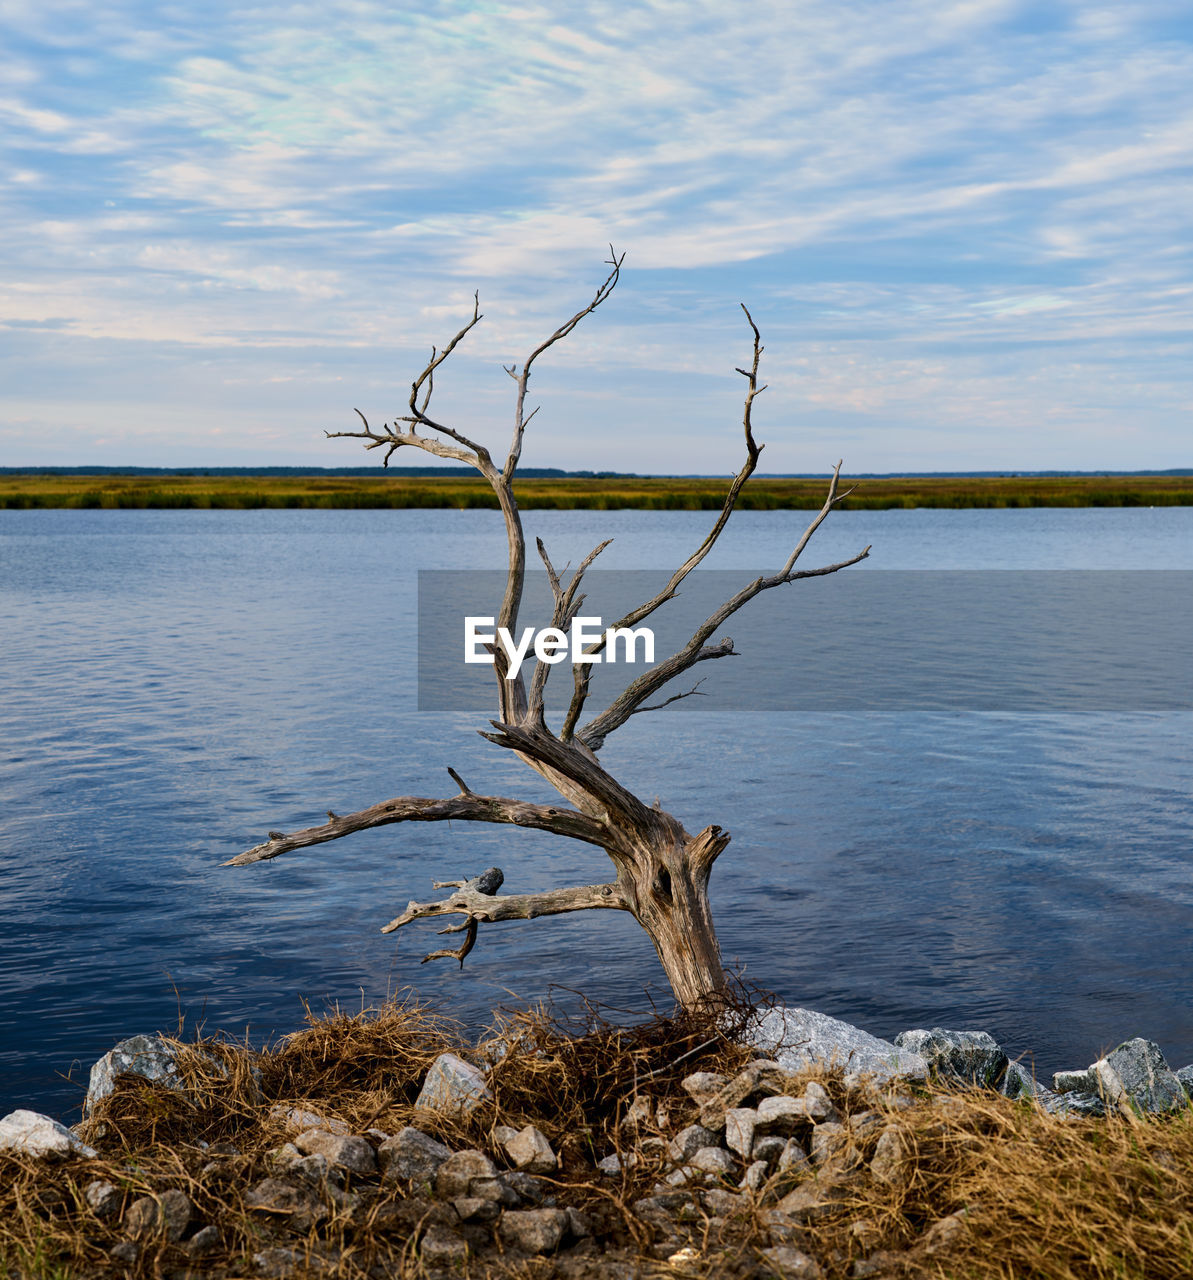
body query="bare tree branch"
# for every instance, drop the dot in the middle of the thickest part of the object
(536, 744)
(427, 379)
(619, 711)
(488, 882)
(644, 610)
(693, 692)
(514, 906)
(393, 438)
(466, 807)
(567, 605)
(520, 420)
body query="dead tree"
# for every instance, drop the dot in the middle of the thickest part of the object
(661, 870)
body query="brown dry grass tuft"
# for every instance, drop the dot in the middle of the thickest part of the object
(989, 1189)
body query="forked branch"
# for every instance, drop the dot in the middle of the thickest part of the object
(522, 377)
(644, 610)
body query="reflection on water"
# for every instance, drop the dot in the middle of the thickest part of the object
(174, 684)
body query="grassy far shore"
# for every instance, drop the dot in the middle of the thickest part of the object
(658, 493)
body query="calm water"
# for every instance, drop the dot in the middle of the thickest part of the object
(173, 684)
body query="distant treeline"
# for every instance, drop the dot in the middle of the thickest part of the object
(242, 490)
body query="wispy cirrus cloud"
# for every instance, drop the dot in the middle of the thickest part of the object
(956, 222)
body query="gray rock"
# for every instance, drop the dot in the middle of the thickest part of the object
(967, 1057)
(667, 1202)
(168, 1214)
(640, 1111)
(714, 1160)
(476, 1209)
(453, 1086)
(782, 1229)
(1074, 1082)
(800, 1038)
(410, 1153)
(762, 1077)
(819, 1104)
(31, 1134)
(768, 1147)
(298, 1206)
(279, 1263)
(882, 1265)
(739, 1130)
(279, 1158)
(703, 1085)
(103, 1199)
(1185, 1076)
(791, 1264)
(755, 1178)
(442, 1247)
(1135, 1077)
(149, 1057)
(1075, 1104)
(315, 1169)
(944, 1233)
(718, 1202)
(829, 1142)
(1018, 1082)
(205, 1240)
(353, 1154)
(534, 1231)
(785, 1115)
(124, 1251)
(458, 1175)
(810, 1201)
(579, 1226)
(611, 1166)
(794, 1159)
(889, 1163)
(530, 1151)
(863, 1123)
(296, 1120)
(688, 1141)
(525, 1186)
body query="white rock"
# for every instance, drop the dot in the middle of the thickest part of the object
(782, 1114)
(453, 1086)
(703, 1085)
(800, 1038)
(739, 1130)
(149, 1057)
(531, 1152)
(28, 1133)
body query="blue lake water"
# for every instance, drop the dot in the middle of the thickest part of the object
(174, 684)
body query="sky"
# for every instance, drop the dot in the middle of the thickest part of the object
(963, 229)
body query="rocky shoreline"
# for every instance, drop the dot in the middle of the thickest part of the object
(791, 1160)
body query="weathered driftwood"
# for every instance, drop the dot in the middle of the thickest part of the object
(662, 871)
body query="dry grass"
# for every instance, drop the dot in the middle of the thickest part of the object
(656, 493)
(1041, 1198)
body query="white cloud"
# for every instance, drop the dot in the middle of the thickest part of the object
(911, 195)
